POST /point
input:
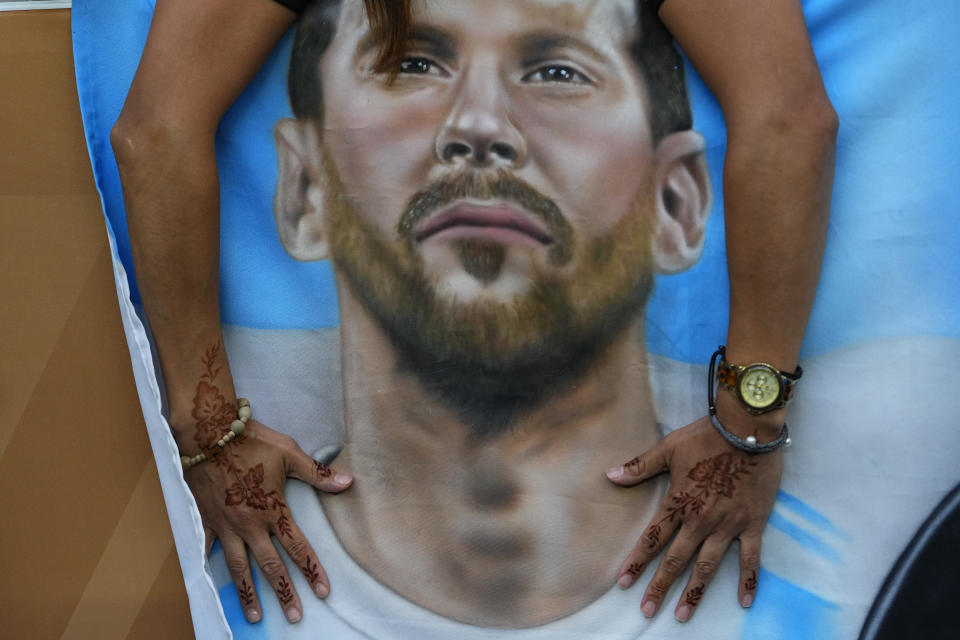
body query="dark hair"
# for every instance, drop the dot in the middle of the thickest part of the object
(653, 51)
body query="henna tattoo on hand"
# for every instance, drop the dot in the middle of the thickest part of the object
(284, 592)
(635, 569)
(633, 465)
(248, 490)
(283, 526)
(750, 584)
(311, 571)
(716, 475)
(211, 409)
(694, 595)
(245, 591)
(653, 537)
(322, 470)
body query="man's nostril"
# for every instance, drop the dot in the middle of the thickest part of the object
(504, 151)
(454, 150)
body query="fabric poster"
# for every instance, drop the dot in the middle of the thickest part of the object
(487, 531)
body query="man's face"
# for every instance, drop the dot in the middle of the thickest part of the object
(542, 90)
(495, 200)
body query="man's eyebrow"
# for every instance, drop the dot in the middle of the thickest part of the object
(437, 42)
(540, 45)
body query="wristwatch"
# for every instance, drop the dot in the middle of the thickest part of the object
(760, 387)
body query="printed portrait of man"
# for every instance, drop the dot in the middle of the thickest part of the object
(470, 326)
(494, 210)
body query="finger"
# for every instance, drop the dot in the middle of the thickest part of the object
(646, 465)
(652, 541)
(303, 555)
(316, 473)
(671, 566)
(238, 564)
(276, 574)
(708, 560)
(749, 567)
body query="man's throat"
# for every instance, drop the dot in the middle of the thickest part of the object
(511, 528)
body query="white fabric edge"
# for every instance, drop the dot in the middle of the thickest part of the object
(188, 534)
(35, 5)
(206, 611)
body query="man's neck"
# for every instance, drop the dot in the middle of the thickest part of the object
(512, 529)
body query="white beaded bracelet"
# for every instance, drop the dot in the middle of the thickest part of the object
(244, 413)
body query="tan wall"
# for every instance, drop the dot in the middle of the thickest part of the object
(85, 547)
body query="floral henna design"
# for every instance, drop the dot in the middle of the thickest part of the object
(248, 490)
(211, 409)
(311, 571)
(750, 584)
(284, 592)
(322, 470)
(246, 594)
(635, 569)
(694, 596)
(716, 475)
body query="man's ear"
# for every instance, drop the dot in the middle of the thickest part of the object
(683, 201)
(299, 202)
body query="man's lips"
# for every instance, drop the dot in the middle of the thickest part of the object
(496, 222)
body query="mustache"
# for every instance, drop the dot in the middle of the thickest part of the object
(488, 186)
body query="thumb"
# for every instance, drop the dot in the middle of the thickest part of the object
(316, 473)
(648, 464)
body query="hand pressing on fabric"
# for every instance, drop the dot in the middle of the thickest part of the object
(240, 494)
(239, 487)
(717, 494)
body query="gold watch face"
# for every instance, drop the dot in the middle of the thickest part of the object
(759, 386)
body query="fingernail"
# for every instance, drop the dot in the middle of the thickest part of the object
(293, 614)
(253, 615)
(649, 608)
(747, 600)
(321, 590)
(342, 479)
(615, 473)
(683, 613)
(625, 581)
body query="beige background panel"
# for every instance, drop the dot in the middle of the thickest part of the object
(84, 540)
(37, 227)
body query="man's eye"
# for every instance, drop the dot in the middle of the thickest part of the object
(417, 66)
(558, 74)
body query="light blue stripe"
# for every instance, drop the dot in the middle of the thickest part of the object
(806, 539)
(813, 516)
(242, 630)
(786, 611)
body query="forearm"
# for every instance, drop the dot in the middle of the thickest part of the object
(197, 60)
(171, 195)
(777, 182)
(758, 61)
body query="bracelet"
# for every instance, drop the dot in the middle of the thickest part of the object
(750, 444)
(244, 413)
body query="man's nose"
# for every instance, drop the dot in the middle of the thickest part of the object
(478, 130)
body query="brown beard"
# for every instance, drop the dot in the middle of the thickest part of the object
(482, 260)
(492, 361)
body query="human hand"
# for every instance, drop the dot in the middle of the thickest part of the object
(717, 493)
(240, 494)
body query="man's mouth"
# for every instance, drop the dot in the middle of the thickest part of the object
(499, 223)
